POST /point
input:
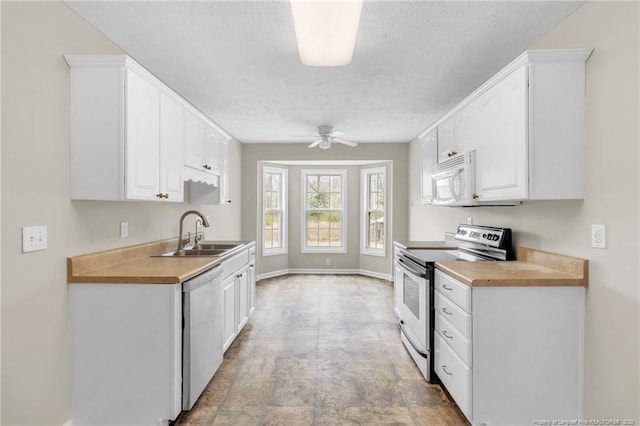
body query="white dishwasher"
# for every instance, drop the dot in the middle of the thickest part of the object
(202, 333)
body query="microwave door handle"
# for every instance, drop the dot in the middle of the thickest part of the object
(452, 187)
(449, 175)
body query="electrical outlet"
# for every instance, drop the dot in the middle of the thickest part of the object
(124, 229)
(469, 221)
(599, 236)
(34, 238)
(327, 261)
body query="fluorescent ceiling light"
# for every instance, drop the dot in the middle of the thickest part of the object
(326, 31)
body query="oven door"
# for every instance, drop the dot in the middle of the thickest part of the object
(413, 307)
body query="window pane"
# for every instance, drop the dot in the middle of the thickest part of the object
(268, 220)
(325, 183)
(318, 200)
(373, 183)
(336, 200)
(336, 237)
(335, 220)
(312, 183)
(336, 183)
(312, 237)
(268, 239)
(267, 182)
(312, 220)
(276, 220)
(276, 239)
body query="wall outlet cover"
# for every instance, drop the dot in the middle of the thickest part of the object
(598, 236)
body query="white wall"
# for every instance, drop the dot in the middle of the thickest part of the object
(612, 198)
(35, 191)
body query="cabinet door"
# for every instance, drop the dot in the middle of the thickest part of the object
(224, 188)
(252, 287)
(446, 146)
(211, 149)
(466, 123)
(229, 289)
(194, 139)
(171, 148)
(243, 297)
(429, 146)
(501, 167)
(142, 138)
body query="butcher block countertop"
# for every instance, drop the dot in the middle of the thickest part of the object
(534, 268)
(134, 265)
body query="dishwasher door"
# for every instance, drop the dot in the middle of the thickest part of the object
(202, 333)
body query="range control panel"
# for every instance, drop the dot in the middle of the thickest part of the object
(489, 236)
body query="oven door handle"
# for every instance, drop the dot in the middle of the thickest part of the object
(421, 352)
(411, 271)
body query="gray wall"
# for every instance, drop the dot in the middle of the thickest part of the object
(612, 197)
(397, 180)
(35, 191)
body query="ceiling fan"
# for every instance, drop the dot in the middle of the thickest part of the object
(327, 137)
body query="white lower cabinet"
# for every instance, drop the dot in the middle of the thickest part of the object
(239, 293)
(512, 354)
(125, 353)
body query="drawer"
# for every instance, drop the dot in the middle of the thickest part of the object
(235, 262)
(454, 374)
(456, 340)
(459, 293)
(452, 313)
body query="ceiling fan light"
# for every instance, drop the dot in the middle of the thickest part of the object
(324, 144)
(326, 31)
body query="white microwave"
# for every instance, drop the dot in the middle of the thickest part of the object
(454, 181)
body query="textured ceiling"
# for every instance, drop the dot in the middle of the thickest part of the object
(237, 61)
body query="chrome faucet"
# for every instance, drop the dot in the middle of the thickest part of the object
(205, 223)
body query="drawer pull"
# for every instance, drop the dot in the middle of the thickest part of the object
(444, 332)
(446, 312)
(446, 287)
(444, 368)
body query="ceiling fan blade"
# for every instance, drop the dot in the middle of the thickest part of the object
(303, 136)
(315, 143)
(337, 133)
(345, 142)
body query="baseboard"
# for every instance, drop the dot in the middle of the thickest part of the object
(272, 274)
(364, 272)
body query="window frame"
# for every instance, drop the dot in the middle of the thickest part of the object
(343, 229)
(284, 188)
(365, 173)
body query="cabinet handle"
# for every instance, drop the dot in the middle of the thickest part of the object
(452, 153)
(446, 312)
(161, 195)
(206, 166)
(165, 196)
(475, 196)
(444, 332)
(444, 368)
(446, 287)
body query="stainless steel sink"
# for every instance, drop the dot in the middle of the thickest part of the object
(202, 250)
(192, 252)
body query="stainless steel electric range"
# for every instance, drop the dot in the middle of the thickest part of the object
(414, 288)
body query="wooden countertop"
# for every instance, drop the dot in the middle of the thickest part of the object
(135, 265)
(534, 268)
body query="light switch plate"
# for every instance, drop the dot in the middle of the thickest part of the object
(34, 238)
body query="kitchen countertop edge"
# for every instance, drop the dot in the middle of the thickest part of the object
(110, 267)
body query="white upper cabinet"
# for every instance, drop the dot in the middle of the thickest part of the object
(194, 137)
(429, 146)
(526, 124)
(446, 141)
(500, 126)
(126, 133)
(142, 138)
(172, 134)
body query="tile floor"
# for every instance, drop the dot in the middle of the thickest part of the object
(321, 350)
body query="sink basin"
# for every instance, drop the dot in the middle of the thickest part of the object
(194, 252)
(216, 246)
(203, 249)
